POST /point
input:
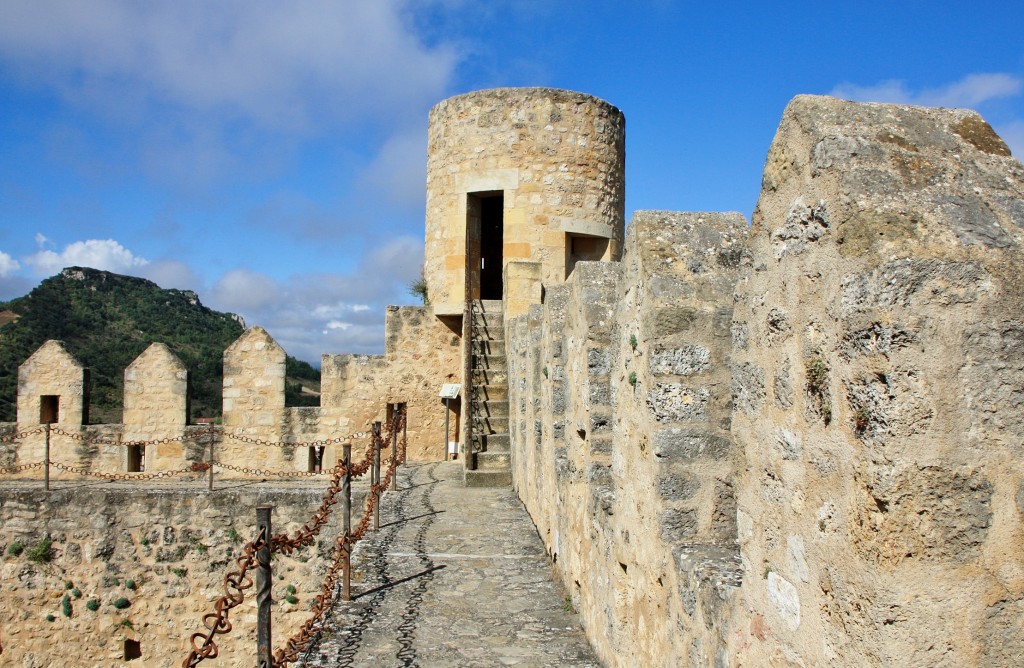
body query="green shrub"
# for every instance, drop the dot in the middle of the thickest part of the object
(92, 605)
(68, 584)
(233, 535)
(292, 598)
(290, 589)
(16, 548)
(51, 618)
(76, 592)
(65, 605)
(632, 378)
(41, 552)
(130, 584)
(122, 603)
(180, 571)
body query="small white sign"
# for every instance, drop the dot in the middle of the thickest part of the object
(450, 390)
(453, 447)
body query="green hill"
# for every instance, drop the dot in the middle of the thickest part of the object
(106, 320)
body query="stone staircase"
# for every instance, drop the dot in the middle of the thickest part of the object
(489, 427)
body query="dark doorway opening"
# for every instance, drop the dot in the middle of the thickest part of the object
(132, 649)
(49, 408)
(490, 208)
(136, 459)
(316, 459)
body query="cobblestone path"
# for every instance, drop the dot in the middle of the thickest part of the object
(456, 576)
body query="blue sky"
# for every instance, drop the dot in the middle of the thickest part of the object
(271, 155)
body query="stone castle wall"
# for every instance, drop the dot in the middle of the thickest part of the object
(801, 448)
(163, 550)
(619, 386)
(557, 156)
(879, 373)
(259, 432)
(421, 354)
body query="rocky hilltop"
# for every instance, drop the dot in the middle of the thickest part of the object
(107, 320)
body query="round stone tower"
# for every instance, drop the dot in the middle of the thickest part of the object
(520, 174)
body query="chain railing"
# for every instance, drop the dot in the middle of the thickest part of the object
(203, 644)
(238, 580)
(200, 438)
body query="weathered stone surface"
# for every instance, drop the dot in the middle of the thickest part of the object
(164, 549)
(678, 443)
(885, 319)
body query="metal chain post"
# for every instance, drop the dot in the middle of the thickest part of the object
(46, 459)
(375, 476)
(346, 507)
(394, 446)
(210, 461)
(264, 648)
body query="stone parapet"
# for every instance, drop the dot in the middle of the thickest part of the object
(163, 551)
(619, 386)
(877, 374)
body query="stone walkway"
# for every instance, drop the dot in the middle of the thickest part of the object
(456, 576)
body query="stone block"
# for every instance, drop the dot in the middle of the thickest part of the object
(684, 444)
(674, 401)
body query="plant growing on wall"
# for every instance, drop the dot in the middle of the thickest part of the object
(418, 288)
(41, 552)
(817, 373)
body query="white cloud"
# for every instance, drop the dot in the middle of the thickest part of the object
(41, 239)
(400, 259)
(243, 291)
(313, 314)
(172, 274)
(971, 91)
(104, 254)
(8, 265)
(399, 171)
(284, 65)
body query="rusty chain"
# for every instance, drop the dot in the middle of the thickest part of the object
(235, 584)
(252, 440)
(20, 467)
(103, 441)
(301, 640)
(205, 433)
(21, 434)
(265, 472)
(285, 544)
(196, 467)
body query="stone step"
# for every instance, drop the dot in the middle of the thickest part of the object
(490, 377)
(488, 305)
(488, 347)
(492, 461)
(491, 326)
(490, 425)
(495, 442)
(491, 408)
(484, 392)
(479, 478)
(489, 362)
